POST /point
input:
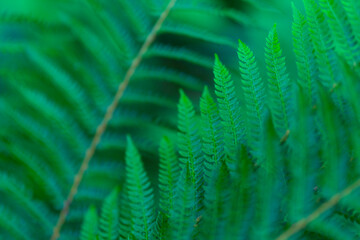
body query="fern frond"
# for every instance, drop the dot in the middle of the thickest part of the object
(140, 193)
(212, 131)
(254, 93)
(217, 194)
(305, 57)
(353, 13)
(183, 215)
(320, 33)
(63, 76)
(278, 82)
(269, 183)
(228, 108)
(168, 175)
(345, 40)
(108, 222)
(190, 148)
(89, 229)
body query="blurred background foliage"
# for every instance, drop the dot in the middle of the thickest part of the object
(263, 16)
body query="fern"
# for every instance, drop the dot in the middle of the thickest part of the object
(76, 85)
(182, 218)
(89, 227)
(228, 108)
(305, 59)
(278, 83)
(254, 94)
(140, 194)
(259, 187)
(345, 40)
(260, 161)
(190, 146)
(109, 217)
(212, 128)
(168, 175)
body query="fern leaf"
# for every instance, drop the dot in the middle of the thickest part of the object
(190, 148)
(160, 231)
(89, 228)
(140, 193)
(228, 108)
(268, 185)
(305, 57)
(212, 131)
(345, 40)
(182, 218)
(254, 92)
(168, 175)
(320, 33)
(353, 13)
(108, 222)
(278, 82)
(125, 223)
(217, 195)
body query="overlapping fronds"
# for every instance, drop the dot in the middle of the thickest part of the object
(257, 162)
(74, 87)
(295, 174)
(168, 174)
(305, 59)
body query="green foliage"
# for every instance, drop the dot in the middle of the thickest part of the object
(266, 159)
(58, 82)
(89, 228)
(278, 83)
(228, 109)
(254, 94)
(305, 59)
(293, 174)
(168, 174)
(140, 194)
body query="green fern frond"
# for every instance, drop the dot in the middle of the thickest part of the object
(278, 83)
(108, 222)
(89, 229)
(140, 193)
(168, 175)
(345, 40)
(217, 195)
(320, 33)
(269, 183)
(228, 108)
(212, 130)
(190, 148)
(62, 77)
(254, 93)
(304, 52)
(353, 13)
(183, 215)
(125, 223)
